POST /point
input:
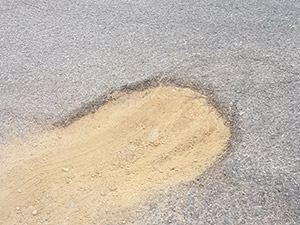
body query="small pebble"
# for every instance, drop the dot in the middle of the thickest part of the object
(34, 212)
(124, 221)
(113, 188)
(19, 190)
(66, 169)
(45, 221)
(17, 208)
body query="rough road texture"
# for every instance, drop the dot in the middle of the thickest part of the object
(56, 56)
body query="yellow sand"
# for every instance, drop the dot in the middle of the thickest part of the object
(106, 163)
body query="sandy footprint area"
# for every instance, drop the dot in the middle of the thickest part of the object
(105, 164)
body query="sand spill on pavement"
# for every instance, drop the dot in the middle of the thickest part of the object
(105, 163)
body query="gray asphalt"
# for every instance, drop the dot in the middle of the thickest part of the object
(55, 56)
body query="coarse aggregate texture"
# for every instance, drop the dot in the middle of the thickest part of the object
(58, 56)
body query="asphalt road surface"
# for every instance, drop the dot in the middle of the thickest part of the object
(56, 56)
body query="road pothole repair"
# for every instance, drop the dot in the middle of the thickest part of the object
(107, 162)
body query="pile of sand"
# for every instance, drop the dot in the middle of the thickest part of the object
(105, 163)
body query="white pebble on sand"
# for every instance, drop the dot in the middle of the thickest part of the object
(66, 169)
